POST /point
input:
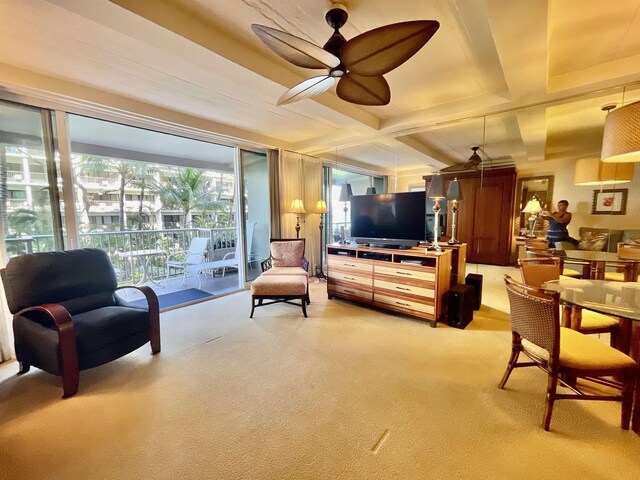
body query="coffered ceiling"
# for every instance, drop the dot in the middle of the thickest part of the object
(525, 79)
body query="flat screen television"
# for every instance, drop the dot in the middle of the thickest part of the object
(389, 219)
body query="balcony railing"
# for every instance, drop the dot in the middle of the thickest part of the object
(18, 203)
(38, 177)
(170, 241)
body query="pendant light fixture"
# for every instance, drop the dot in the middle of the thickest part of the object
(621, 138)
(592, 171)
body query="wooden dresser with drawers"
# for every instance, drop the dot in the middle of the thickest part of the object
(413, 282)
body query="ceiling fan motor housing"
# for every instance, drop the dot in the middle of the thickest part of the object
(336, 17)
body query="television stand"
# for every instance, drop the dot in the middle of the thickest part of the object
(410, 281)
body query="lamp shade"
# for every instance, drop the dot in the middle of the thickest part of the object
(345, 192)
(297, 206)
(436, 188)
(533, 206)
(371, 190)
(591, 171)
(321, 207)
(621, 139)
(453, 192)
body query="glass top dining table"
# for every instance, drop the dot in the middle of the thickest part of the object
(619, 299)
(598, 261)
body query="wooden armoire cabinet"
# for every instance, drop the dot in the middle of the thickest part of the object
(485, 213)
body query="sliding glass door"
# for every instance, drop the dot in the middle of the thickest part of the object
(163, 207)
(29, 195)
(255, 197)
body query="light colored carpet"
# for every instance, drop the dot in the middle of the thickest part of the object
(348, 393)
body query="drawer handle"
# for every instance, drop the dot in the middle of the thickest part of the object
(349, 291)
(403, 273)
(349, 278)
(403, 304)
(349, 265)
(405, 289)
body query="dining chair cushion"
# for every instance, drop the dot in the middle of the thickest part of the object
(287, 253)
(583, 352)
(594, 321)
(286, 271)
(617, 276)
(570, 272)
(595, 241)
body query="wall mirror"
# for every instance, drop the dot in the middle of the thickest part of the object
(528, 190)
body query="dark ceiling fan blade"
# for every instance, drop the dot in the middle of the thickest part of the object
(380, 50)
(364, 90)
(308, 88)
(294, 49)
(474, 162)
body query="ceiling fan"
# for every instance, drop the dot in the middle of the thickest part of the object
(357, 64)
(473, 163)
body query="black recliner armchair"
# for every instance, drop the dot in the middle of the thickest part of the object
(67, 317)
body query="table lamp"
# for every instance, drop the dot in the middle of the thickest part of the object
(436, 193)
(297, 207)
(321, 208)
(533, 207)
(345, 196)
(455, 195)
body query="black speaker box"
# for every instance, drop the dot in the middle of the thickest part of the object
(460, 306)
(475, 280)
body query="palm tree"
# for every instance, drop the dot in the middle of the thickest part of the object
(185, 190)
(125, 170)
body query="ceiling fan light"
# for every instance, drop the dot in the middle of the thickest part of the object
(621, 139)
(591, 171)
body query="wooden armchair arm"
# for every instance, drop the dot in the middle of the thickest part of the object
(67, 341)
(266, 264)
(154, 314)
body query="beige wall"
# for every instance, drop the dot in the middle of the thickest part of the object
(580, 197)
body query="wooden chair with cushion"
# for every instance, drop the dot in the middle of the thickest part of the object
(538, 270)
(284, 276)
(534, 246)
(562, 352)
(286, 257)
(625, 251)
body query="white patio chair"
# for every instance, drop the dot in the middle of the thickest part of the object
(196, 254)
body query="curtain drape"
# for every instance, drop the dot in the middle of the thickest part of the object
(6, 337)
(300, 176)
(273, 168)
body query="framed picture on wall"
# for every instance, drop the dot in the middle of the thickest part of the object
(609, 202)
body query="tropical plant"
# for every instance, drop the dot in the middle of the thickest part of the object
(186, 190)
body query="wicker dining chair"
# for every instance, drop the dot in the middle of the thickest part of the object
(535, 246)
(538, 270)
(562, 352)
(628, 252)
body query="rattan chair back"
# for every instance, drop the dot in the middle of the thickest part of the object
(535, 315)
(537, 270)
(629, 251)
